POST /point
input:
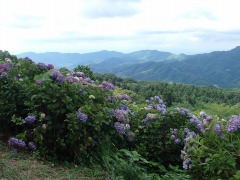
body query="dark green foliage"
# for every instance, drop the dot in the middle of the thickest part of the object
(189, 95)
(86, 70)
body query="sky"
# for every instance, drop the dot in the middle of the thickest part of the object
(82, 26)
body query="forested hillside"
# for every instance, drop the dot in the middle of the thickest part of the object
(216, 69)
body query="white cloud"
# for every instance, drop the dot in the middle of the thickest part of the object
(123, 25)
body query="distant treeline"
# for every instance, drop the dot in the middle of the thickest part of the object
(174, 92)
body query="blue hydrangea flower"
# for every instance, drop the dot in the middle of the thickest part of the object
(83, 117)
(29, 119)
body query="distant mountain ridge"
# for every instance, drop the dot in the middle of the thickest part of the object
(219, 68)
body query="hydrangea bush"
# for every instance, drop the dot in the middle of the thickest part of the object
(67, 116)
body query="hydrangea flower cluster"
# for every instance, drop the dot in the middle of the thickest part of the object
(57, 76)
(50, 66)
(186, 163)
(120, 128)
(121, 114)
(16, 142)
(218, 129)
(78, 77)
(183, 111)
(201, 124)
(105, 86)
(233, 124)
(42, 66)
(30, 119)
(3, 70)
(82, 117)
(123, 97)
(184, 157)
(156, 103)
(174, 136)
(32, 146)
(149, 117)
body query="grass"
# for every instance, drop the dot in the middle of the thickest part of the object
(23, 166)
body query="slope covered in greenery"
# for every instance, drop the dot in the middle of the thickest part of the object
(64, 116)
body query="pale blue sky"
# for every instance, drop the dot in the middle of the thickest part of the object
(177, 26)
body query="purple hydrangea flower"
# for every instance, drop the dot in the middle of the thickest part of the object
(21, 143)
(161, 110)
(71, 79)
(42, 66)
(58, 77)
(4, 67)
(175, 131)
(119, 115)
(203, 114)
(125, 109)
(50, 66)
(16, 142)
(233, 124)
(208, 118)
(106, 85)
(32, 146)
(29, 119)
(217, 129)
(83, 117)
(13, 141)
(54, 75)
(119, 127)
(201, 128)
(126, 97)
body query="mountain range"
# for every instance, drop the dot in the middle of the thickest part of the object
(219, 68)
